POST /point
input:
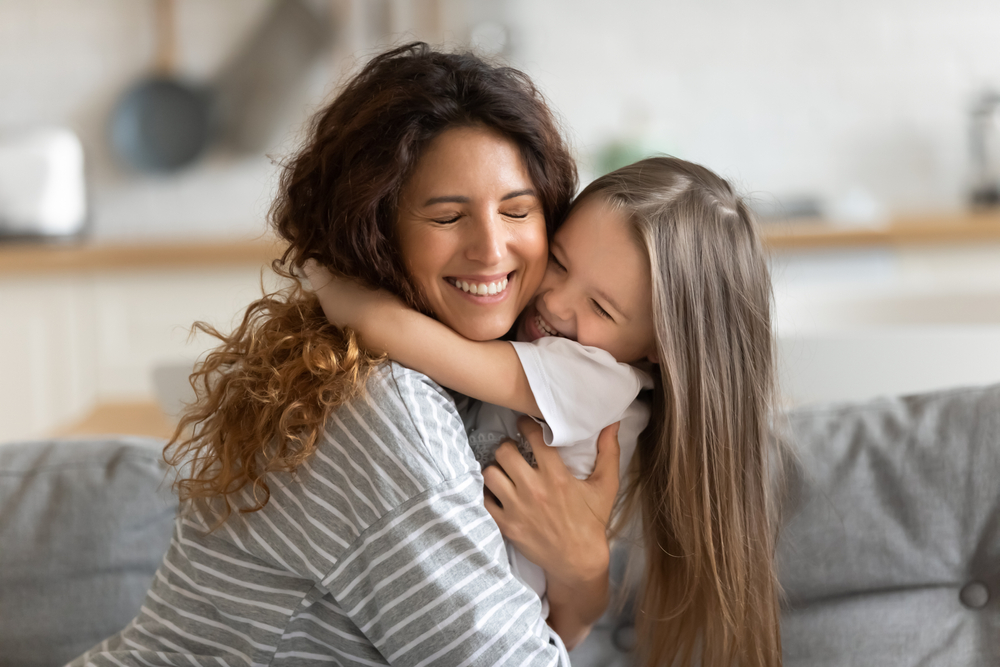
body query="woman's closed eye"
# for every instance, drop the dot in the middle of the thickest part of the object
(448, 220)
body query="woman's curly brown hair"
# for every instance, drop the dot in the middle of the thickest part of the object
(263, 395)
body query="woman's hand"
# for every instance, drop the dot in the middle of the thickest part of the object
(560, 523)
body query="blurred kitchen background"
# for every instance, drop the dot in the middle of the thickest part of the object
(866, 132)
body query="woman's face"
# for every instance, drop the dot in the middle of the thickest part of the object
(472, 231)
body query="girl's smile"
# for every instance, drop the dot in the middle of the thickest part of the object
(597, 288)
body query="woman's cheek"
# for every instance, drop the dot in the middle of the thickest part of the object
(536, 251)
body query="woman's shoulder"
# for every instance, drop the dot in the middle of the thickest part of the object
(407, 423)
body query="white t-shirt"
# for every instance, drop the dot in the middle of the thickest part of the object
(579, 390)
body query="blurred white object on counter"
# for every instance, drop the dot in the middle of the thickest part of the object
(42, 188)
(855, 207)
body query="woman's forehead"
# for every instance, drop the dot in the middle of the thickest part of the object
(465, 158)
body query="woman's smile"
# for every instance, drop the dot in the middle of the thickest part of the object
(483, 289)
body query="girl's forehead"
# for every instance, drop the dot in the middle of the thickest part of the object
(593, 221)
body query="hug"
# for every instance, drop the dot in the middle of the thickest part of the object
(422, 459)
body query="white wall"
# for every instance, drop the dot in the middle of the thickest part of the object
(64, 62)
(789, 97)
(67, 62)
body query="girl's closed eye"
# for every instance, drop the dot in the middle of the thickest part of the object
(556, 262)
(600, 311)
(517, 215)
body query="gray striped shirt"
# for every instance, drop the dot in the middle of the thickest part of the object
(376, 551)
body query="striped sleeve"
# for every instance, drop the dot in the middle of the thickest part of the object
(429, 582)
(430, 585)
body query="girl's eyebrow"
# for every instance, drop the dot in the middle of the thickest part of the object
(459, 199)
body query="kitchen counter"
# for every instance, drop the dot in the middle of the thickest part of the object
(21, 257)
(959, 227)
(55, 257)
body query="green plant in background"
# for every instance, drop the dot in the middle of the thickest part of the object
(619, 152)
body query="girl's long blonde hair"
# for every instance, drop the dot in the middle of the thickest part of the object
(700, 482)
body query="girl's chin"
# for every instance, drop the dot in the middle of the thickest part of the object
(524, 330)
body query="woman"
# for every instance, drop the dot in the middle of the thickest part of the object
(333, 510)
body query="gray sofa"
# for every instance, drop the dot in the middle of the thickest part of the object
(890, 552)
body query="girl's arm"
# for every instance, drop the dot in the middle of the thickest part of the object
(489, 371)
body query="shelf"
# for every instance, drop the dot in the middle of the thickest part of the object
(34, 258)
(925, 230)
(25, 258)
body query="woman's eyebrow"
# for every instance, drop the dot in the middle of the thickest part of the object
(517, 193)
(459, 199)
(448, 199)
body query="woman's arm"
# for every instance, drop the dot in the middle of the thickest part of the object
(489, 371)
(560, 523)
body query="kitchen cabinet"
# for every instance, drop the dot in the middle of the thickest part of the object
(85, 327)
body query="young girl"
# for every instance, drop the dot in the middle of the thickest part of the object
(656, 281)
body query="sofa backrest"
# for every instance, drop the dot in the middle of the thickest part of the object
(890, 554)
(83, 526)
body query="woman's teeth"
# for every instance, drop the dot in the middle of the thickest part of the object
(481, 289)
(544, 327)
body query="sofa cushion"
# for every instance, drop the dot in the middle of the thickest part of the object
(891, 550)
(83, 527)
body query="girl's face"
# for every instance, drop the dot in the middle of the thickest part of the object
(472, 231)
(597, 288)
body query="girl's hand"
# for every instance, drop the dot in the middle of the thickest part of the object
(559, 522)
(346, 303)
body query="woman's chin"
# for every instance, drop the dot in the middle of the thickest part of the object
(483, 329)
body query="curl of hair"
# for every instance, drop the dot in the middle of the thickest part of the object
(259, 396)
(264, 395)
(702, 483)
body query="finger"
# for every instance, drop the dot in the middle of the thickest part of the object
(512, 462)
(318, 276)
(499, 484)
(608, 455)
(607, 464)
(495, 510)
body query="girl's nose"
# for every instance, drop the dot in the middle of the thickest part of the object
(557, 302)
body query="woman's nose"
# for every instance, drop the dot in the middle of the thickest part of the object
(487, 243)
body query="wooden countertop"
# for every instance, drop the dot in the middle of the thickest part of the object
(27, 258)
(912, 230)
(50, 257)
(141, 418)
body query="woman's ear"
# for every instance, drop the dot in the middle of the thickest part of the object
(653, 357)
